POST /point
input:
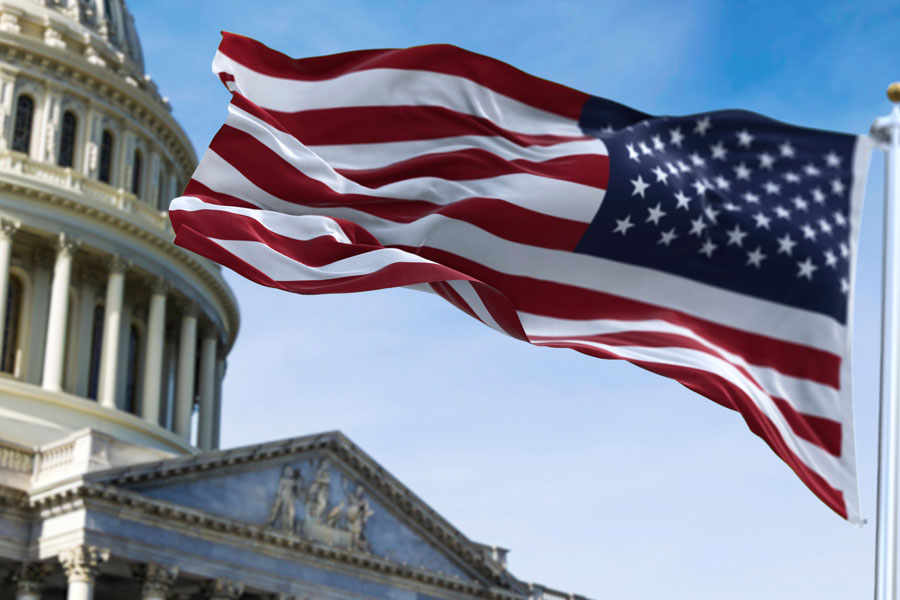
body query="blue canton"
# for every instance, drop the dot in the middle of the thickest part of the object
(728, 198)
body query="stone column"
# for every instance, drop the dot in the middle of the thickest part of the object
(217, 419)
(81, 565)
(155, 580)
(207, 391)
(153, 355)
(223, 589)
(184, 380)
(29, 578)
(112, 323)
(8, 227)
(57, 320)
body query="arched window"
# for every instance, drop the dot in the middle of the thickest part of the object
(136, 166)
(66, 156)
(21, 141)
(131, 375)
(106, 152)
(96, 349)
(11, 325)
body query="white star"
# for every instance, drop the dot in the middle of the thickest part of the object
(751, 197)
(791, 177)
(718, 151)
(762, 221)
(667, 236)
(722, 183)
(682, 166)
(677, 136)
(840, 219)
(608, 129)
(711, 213)
(772, 188)
(818, 196)
(708, 248)
(632, 153)
(695, 158)
(741, 171)
(682, 199)
(623, 225)
(833, 160)
(825, 226)
(673, 169)
(661, 175)
(830, 259)
(807, 268)
(744, 138)
(781, 212)
(786, 150)
(837, 187)
(697, 226)
(731, 206)
(766, 161)
(808, 232)
(657, 143)
(811, 169)
(656, 213)
(639, 186)
(755, 258)
(800, 203)
(845, 250)
(700, 187)
(736, 236)
(786, 245)
(702, 126)
(845, 285)
(645, 148)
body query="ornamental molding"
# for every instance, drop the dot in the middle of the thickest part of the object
(155, 579)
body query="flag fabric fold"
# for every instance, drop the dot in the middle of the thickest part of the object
(716, 249)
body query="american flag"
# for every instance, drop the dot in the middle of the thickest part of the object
(716, 249)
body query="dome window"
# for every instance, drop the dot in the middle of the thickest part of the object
(136, 167)
(106, 151)
(21, 141)
(96, 349)
(66, 156)
(11, 326)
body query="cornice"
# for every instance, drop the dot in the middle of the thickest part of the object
(364, 467)
(156, 237)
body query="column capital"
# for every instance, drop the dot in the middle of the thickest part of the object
(155, 579)
(66, 244)
(160, 286)
(223, 589)
(8, 227)
(81, 563)
(29, 577)
(189, 308)
(118, 265)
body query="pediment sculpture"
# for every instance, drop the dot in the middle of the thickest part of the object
(341, 523)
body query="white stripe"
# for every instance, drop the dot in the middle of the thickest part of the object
(718, 305)
(833, 469)
(545, 195)
(375, 156)
(471, 297)
(394, 87)
(806, 396)
(279, 267)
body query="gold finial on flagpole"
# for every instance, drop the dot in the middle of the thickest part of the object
(893, 92)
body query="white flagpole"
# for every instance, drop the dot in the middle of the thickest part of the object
(886, 130)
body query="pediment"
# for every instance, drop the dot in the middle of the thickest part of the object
(320, 489)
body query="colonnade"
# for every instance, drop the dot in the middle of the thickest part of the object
(206, 383)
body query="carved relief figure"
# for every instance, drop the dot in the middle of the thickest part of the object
(358, 512)
(317, 494)
(283, 509)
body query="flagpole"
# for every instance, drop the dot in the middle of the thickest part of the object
(886, 130)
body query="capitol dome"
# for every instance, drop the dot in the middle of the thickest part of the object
(106, 325)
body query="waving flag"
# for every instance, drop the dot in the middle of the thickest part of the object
(716, 249)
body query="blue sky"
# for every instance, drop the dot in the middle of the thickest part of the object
(602, 479)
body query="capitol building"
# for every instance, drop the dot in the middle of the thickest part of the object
(113, 347)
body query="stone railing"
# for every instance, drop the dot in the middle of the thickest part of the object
(16, 459)
(79, 184)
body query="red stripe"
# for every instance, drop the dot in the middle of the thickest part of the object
(475, 163)
(379, 124)
(270, 172)
(722, 391)
(570, 302)
(450, 60)
(823, 432)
